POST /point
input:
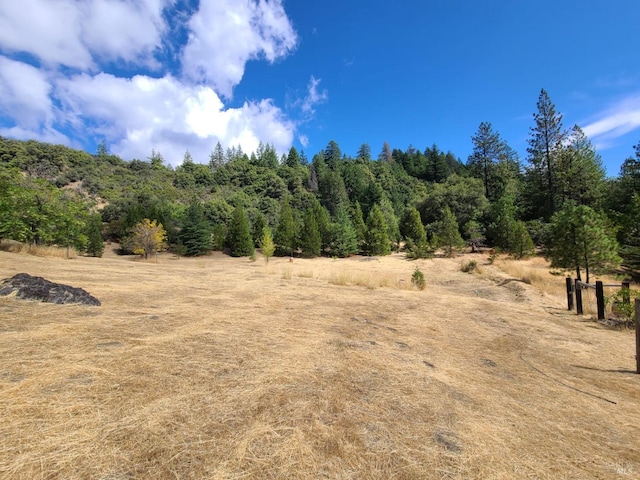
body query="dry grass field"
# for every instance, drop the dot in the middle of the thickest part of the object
(223, 368)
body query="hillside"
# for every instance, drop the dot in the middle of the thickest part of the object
(216, 367)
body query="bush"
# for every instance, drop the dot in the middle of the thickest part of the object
(469, 266)
(623, 304)
(417, 279)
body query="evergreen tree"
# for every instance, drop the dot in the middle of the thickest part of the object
(385, 154)
(521, 243)
(285, 235)
(377, 237)
(581, 176)
(364, 153)
(95, 243)
(293, 159)
(503, 222)
(411, 226)
(310, 240)
(216, 159)
(323, 221)
(332, 154)
(195, 234)
(581, 240)
(357, 219)
(448, 235)
(489, 158)
(343, 238)
(545, 147)
(239, 238)
(257, 228)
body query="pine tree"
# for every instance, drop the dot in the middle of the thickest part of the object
(492, 160)
(581, 176)
(343, 239)
(239, 238)
(545, 148)
(257, 228)
(293, 159)
(377, 237)
(216, 159)
(581, 240)
(195, 234)
(285, 235)
(357, 219)
(521, 243)
(448, 233)
(310, 241)
(412, 229)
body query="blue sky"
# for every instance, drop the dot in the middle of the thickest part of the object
(175, 74)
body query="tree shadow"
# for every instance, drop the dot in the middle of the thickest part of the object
(618, 370)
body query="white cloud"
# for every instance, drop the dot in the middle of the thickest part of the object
(614, 122)
(62, 92)
(226, 34)
(24, 93)
(314, 97)
(144, 113)
(72, 33)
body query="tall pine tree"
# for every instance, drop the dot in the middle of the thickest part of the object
(546, 145)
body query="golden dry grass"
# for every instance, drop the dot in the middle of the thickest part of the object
(223, 368)
(38, 250)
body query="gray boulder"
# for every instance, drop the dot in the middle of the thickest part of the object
(37, 288)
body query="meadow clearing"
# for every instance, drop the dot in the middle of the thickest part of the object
(224, 368)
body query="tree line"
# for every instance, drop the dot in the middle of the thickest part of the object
(334, 204)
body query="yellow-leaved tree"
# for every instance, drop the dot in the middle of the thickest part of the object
(147, 238)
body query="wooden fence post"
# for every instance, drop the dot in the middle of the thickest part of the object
(569, 293)
(600, 299)
(578, 297)
(637, 335)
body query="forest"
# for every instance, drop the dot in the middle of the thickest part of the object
(557, 200)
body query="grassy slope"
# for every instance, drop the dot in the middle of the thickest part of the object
(222, 368)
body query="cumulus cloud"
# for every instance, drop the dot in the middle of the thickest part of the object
(24, 93)
(614, 122)
(72, 33)
(63, 90)
(164, 114)
(225, 34)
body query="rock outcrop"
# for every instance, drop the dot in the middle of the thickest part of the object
(37, 288)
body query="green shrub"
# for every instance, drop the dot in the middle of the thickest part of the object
(469, 266)
(417, 279)
(623, 304)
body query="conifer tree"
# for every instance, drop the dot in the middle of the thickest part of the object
(448, 235)
(310, 241)
(285, 235)
(239, 238)
(521, 243)
(545, 147)
(411, 227)
(377, 237)
(581, 240)
(357, 219)
(343, 239)
(195, 235)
